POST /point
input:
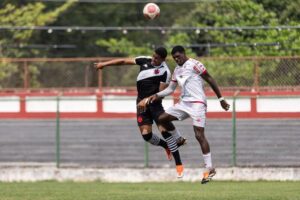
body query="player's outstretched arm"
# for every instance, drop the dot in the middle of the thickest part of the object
(167, 91)
(119, 61)
(211, 81)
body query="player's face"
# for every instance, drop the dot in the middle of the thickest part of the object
(156, 60)
(179, 58)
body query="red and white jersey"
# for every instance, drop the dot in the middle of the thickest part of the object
(189, 79)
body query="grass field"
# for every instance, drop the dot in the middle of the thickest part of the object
(146, 191)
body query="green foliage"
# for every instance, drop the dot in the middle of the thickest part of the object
(124, 47)
(8, 74)
(27, 15)
(24, 15)
(280, 72)
(239, 13)
(229, 73)
(135, 43)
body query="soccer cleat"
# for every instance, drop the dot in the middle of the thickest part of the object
(179, 169)
(169, 154)
(181, 141)
(207, 175)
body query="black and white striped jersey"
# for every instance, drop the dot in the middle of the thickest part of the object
(150, 77)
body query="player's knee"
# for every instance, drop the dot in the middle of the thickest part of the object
(163, 118)
(147, 136)
(199, 137)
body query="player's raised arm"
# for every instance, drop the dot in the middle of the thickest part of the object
(118, 61)
(209, 79)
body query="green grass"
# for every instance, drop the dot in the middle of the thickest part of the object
(146, 191)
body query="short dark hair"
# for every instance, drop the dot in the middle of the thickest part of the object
(162, 52)
(177, 48)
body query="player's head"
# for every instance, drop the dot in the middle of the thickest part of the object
(159, 56)
(178, 54)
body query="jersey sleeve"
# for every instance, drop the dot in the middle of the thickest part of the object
(199, 68)
(142, 60)
(166, 78)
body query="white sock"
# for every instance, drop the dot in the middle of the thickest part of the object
(175, 133)
(207, 160)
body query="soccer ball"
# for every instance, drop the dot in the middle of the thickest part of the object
(151, 11)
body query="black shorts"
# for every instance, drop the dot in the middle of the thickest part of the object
(152, 113)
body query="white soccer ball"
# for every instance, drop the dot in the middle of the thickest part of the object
(151, 11)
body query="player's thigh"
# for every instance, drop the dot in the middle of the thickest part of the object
(144, 118)
(176, 112)
(159, 116)
(156, 110)
(163, 120)
(166, 126)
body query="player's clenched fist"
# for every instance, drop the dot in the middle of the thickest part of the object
(142, 105)
(98, 65)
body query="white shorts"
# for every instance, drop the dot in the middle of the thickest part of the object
(195, 110)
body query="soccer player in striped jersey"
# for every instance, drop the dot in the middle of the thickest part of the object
(153, 77)
(189, 74)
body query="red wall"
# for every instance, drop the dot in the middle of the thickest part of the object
(100, 114)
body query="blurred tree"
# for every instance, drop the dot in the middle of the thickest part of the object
(134, 43)
(22, 15)
(239, 14)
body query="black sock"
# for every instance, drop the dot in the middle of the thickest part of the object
(155, 140)
(171, 142)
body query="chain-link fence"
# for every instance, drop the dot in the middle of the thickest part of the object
(248, 73)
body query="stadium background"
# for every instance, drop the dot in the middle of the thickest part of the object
(71, 115)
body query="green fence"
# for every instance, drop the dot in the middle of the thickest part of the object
(117, 142)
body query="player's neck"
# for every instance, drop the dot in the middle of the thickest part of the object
(184, 61)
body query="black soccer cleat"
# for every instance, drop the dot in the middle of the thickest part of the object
(181, 141)
(207, 175)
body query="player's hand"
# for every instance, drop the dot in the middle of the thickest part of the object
(98, 65)
(142, 105)
(225, 105)
(153, 98)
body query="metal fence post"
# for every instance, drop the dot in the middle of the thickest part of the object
(100, 81)
(256, 76)
(234, 128)
(146, 155)
(57, 132)
(26, 75)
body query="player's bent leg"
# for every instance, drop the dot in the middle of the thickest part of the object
(146, 131)
(169, 126)
(209, 170)
(166, 118)
(200, 136)
(174, 149)
(164, 123)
